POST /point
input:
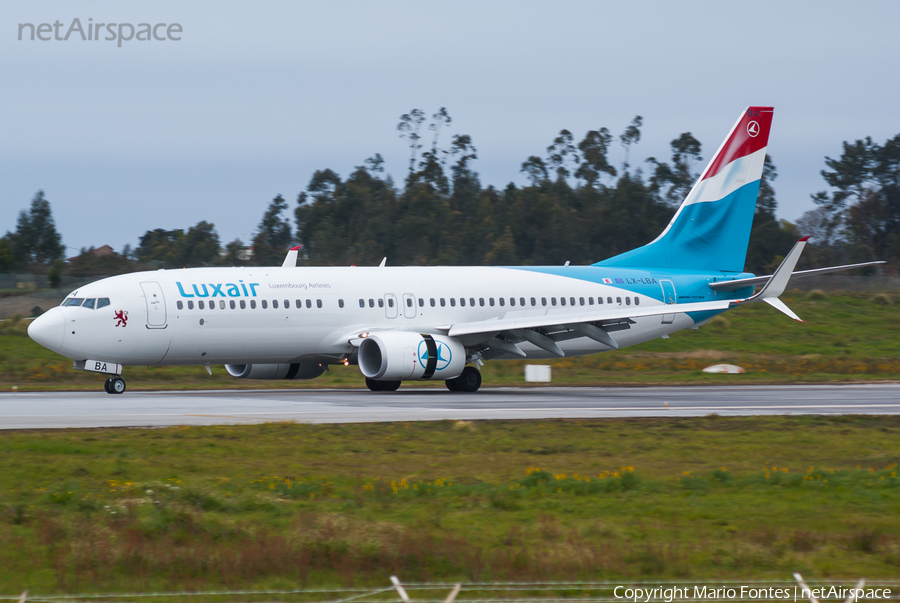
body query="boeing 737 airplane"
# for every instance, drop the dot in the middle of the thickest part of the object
(410, 323)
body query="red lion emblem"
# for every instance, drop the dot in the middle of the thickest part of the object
(121, 318)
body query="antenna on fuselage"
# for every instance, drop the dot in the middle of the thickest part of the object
(383, 262)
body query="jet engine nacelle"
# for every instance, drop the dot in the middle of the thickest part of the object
(298, 370)
(400, 355)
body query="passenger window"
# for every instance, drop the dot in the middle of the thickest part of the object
(562, 301)
(452, 301)
(362, 303)
(590, 301)
(572, 301)
(627, 301)
(431, 301)
(533, 302)
(102, 302)
(472, 301)
(232, 304)
(371, 303)
(309, 303)
(491, 301)
(481, 301)
(287, 304)
(581, 301)
(521, 301)
(552, 301)
(275, 304)
(408, 303)
(179, 305)
(340, 303)
(380, 303)
(619, 300)
(443, 302)
(253, 304)
(512, 301)
(212, 305)
(502, 301)
(89, 303)
(318, 303)
(200, 304)
(298, 303)
(462, 302)
(421, 302)
(543, 301)
(221, 304)
(190, 305)
(599, 300)
(609, 300)
(637, 300)
(265, 304)
(390, 302)
(243, 305)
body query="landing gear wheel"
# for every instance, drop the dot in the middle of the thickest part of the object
(116, 385)
(470, 380)
(106, 385)
(390, 386)
(373, 385)
(452, 384)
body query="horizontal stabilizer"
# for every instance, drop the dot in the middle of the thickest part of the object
(759, 280)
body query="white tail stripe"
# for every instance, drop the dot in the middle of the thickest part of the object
(732, 177)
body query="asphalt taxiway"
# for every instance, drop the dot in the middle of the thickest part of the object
(158, 409)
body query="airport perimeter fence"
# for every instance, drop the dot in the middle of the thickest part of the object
(508, 592)
(30, 283)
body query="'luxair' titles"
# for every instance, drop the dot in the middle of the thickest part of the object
(215, 290)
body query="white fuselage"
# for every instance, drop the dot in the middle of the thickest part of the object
(280, 315)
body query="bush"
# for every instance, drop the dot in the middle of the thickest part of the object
(881, 299)
(816, 294)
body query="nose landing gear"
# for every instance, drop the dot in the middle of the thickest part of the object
(114, 385)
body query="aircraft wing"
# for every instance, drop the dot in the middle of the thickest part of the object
(734, 285)
(544, 330)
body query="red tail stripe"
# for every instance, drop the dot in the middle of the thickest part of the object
(750, 135)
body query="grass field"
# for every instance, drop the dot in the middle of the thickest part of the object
(289, 505)
(847, 337)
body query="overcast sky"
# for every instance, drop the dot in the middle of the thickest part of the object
(258, 95)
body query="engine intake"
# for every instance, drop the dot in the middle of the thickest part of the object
(401, 355)
(298, 370)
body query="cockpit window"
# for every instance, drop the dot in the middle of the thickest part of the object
(102, 302)
(73, 301)
(89, 303)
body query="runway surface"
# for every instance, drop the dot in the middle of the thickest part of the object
(157, 409)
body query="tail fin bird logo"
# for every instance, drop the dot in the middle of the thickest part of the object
(121, 318)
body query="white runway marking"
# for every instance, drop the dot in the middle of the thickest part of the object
(156, 409)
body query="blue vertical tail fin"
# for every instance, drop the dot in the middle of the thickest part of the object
(711, 229)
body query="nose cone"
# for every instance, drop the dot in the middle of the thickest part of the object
(48, 329)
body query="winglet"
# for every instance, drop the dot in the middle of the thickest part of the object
(777, 283)
(290, 260)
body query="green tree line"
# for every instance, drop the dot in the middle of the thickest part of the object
(577, 206)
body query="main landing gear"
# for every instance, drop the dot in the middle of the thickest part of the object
(468, 381)
(382, 386)
(114, 385)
